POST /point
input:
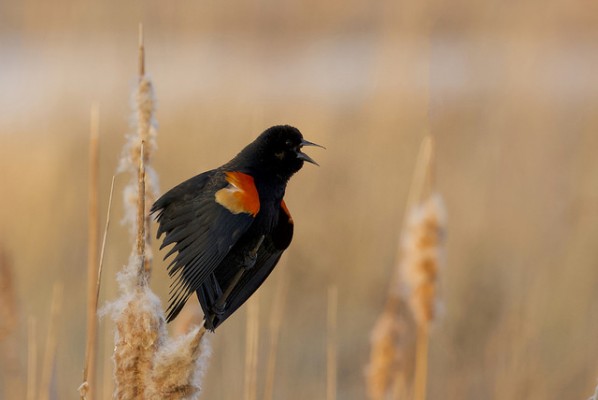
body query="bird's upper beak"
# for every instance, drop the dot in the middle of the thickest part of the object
(302, 156)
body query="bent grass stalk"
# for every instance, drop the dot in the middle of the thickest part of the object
(87, 389)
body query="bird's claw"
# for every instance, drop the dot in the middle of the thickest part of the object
(250, 259)
(219, 308)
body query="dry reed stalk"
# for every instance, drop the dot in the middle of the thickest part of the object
(144, 271)
(31, 358)
(104, 237)
(8, 304)
(331, 343)
(9, 344)
(251, 348)
(107, 387)
(87, 389)
(49, 363)
(274, 328)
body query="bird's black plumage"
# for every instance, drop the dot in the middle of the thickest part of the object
(229, 225)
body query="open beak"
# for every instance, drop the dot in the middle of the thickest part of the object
(302, 156)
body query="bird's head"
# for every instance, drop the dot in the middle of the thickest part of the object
(280, 150)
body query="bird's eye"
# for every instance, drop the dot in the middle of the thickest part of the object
(288, 143)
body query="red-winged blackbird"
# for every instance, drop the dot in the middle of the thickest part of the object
(230, 225)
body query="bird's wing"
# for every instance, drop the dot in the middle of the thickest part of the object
(204, 217)
(268, 255)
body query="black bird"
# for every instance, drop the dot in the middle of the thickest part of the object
(230, 225)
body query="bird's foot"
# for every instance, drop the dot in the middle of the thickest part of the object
(251, 257)
(219, 308)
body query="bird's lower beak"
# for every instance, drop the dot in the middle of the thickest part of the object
(302, 156)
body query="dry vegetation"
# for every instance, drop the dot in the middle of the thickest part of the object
(508, 92)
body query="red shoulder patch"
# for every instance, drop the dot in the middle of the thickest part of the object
(240, 196)
(286, 211)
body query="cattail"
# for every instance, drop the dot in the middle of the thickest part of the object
(422, 255)
(147, 363)
(139, 148)
(179, 367)
(140, 330)
(391, 352)
(422, 248)
(412, 300)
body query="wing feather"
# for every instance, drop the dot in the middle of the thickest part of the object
(268, 256)
(202, 231)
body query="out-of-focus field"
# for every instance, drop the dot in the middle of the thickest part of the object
(509, 90)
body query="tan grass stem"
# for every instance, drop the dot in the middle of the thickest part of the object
(89, 371)
(274, 328)
(87, 389)
(143, 271)
(141, 130)
(8, 304)
(252, 347)
(141, 62)
(10, 359)
(331, 343)
(31, 358)
(423, 175)
(421, 362)
(104, 238)
(49, 362)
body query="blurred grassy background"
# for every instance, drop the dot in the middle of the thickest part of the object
(509, 90)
